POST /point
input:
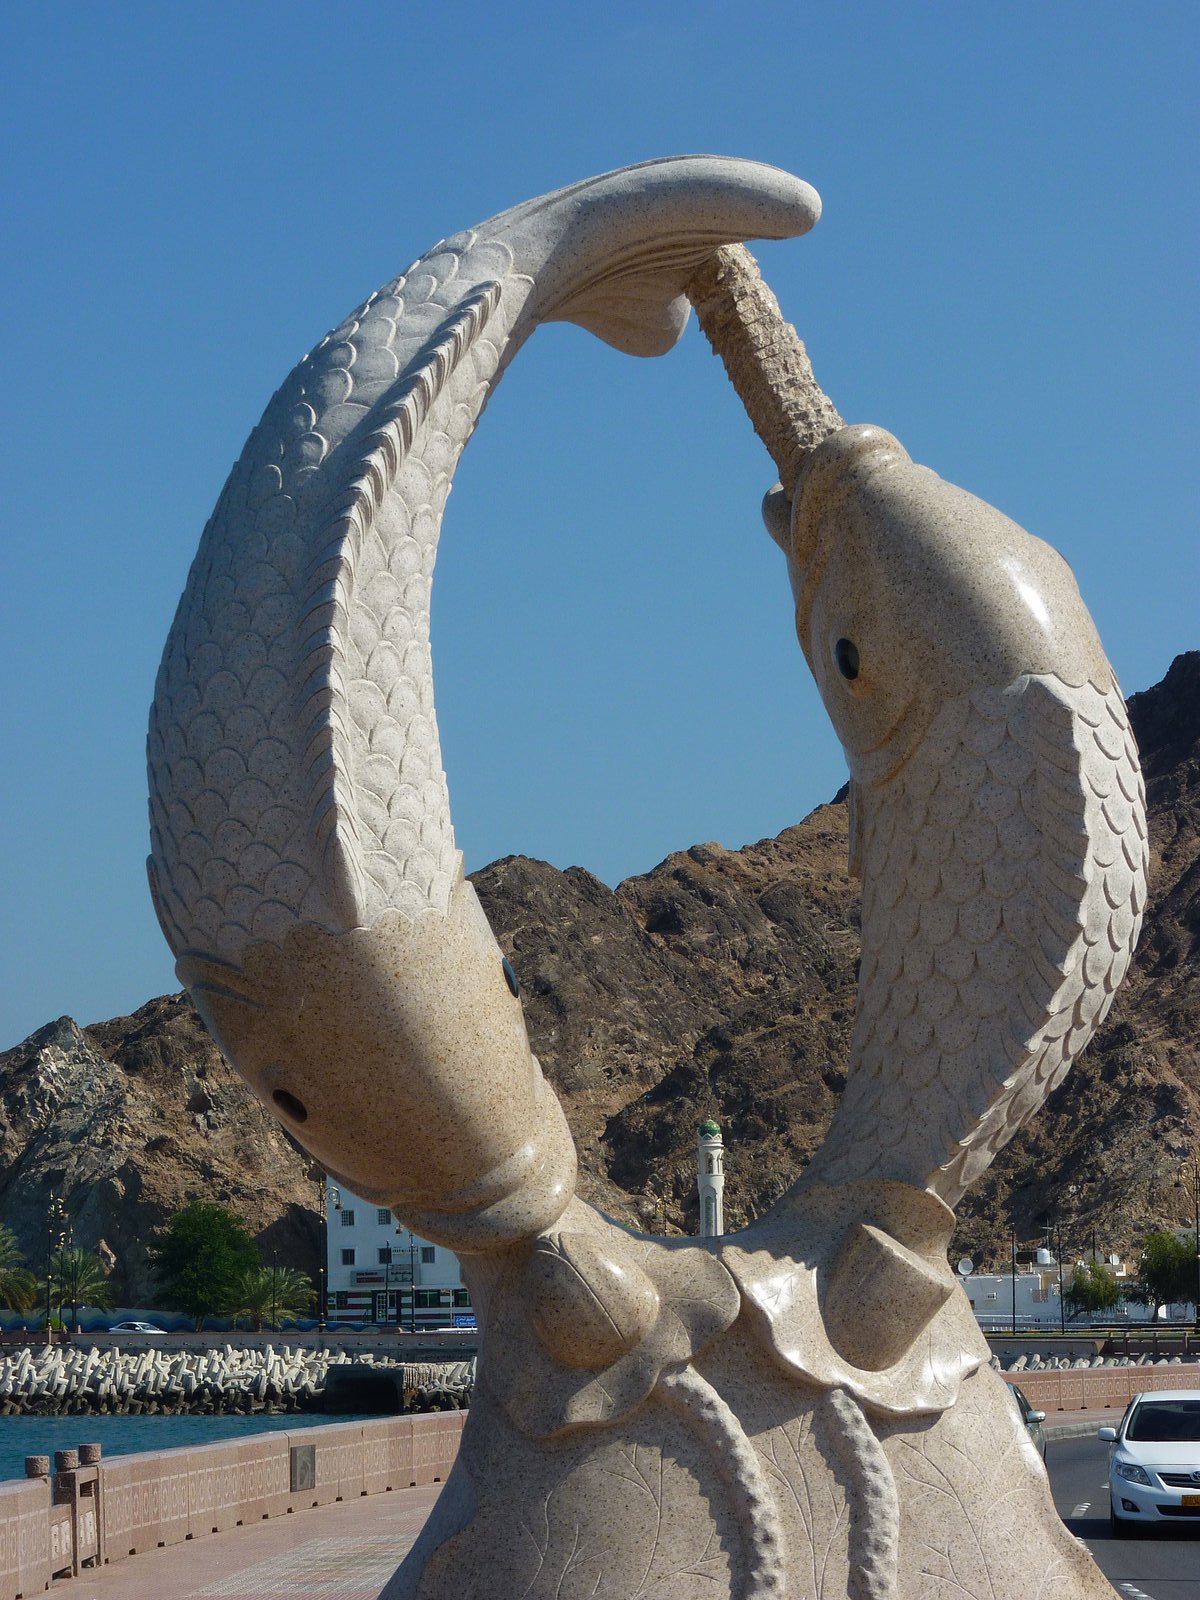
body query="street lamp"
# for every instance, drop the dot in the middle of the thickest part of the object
(387, 1279)
(56, 1218)
(274, 1294)
(332, 1192)
(1194, 1169)
(328, 1192)
(72, 1266)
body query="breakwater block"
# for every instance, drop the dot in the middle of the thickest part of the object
(356, 1386)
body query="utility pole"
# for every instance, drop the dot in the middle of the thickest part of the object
(1014, 1279)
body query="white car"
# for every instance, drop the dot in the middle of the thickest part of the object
(1154, 1462)
(133, 1327)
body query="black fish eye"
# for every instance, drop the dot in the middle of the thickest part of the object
(845, 653)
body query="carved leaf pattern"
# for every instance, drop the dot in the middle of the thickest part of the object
(809, 1498)
(665, 1532)
(979, 1520)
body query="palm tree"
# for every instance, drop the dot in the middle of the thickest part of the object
(17, 1285)
(81, 1280)
(268, 1294)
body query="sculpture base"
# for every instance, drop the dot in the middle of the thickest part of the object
(763, 1467)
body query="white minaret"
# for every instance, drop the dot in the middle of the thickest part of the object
(710, 1179)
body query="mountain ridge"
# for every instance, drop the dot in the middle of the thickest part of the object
(721, 983)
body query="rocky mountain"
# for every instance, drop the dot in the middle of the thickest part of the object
(720, 984)
(128, 1121)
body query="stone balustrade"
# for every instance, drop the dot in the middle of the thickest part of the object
(56, 1524)
(1097, 1388)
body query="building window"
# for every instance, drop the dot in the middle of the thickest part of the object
(426, 1298)
(343, 1300)
(385, 1255)
(347, 1217)
(708, 1159)
(347, 1258)
(383, 1216)
(462, 1297)
(428, 1255)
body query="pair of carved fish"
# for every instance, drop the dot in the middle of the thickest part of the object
(304, 870)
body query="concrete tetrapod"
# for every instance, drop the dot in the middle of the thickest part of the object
(805, 1408)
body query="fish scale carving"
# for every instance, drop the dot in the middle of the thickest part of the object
(295, 766)
(816, 1373)
(1004, 880)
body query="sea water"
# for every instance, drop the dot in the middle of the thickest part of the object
(123, 1436)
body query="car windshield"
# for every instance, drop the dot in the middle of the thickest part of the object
(1165, 1422)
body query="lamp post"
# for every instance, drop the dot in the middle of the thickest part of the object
(73, 1268)
(274, 1290)
(56, 1217)
(387, 1277)
(335, 1194)
(412, 1282)
(1193, 1168)
(1014, 1279)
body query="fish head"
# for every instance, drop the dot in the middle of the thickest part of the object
(910, 591)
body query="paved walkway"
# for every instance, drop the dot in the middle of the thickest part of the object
(346, 1551)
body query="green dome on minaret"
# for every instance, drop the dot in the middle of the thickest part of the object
(710, 1129)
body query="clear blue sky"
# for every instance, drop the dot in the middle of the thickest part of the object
(192, 194)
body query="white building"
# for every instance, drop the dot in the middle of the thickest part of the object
(1038, 1300)
(710, 1179)
(377, 1270)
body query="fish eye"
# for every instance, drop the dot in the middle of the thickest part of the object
(845, 653)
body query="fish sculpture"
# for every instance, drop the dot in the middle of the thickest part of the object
(805, 1408)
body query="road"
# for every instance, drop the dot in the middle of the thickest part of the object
(1166, 1567)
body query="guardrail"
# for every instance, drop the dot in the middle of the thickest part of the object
(90, 1512)
(1099, 1388)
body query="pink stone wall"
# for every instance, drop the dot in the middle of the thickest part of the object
(164, 1497)
(1098, 1388)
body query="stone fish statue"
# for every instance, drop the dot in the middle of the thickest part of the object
(804, 1409)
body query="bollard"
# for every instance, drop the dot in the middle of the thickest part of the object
(37, 1466)
(75, 1531)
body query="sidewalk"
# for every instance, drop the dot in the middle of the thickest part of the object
(1080, 1424)
(345, 1551)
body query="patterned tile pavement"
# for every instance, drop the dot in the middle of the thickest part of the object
(345, 1551)
(325, 1569)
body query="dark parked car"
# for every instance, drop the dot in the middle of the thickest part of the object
(1032, 1419)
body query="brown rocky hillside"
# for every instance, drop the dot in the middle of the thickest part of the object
(720, 984)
